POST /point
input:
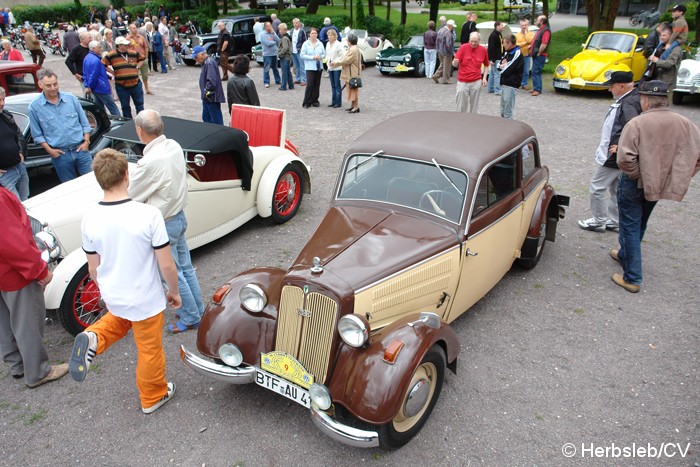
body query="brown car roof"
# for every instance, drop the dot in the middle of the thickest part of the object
(456, 139)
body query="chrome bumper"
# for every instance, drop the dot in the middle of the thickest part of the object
(343, 433)
(227, 374)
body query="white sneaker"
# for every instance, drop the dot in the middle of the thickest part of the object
(592, 225)
(168, 395)
(84, 351)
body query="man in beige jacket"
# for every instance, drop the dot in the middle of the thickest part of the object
(658, 153)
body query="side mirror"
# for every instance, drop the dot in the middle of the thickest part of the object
(199, 160)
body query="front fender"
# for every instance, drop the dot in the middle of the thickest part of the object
(229, 322)
(371, 389)
(266, 187)
(62, 275)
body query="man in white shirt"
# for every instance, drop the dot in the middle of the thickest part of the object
(130, 283)
(160, 179)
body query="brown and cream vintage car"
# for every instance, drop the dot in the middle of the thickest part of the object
(358, 329)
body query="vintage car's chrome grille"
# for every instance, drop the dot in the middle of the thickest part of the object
(305, 328)
(36, 225)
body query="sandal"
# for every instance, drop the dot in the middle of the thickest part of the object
(179, 327)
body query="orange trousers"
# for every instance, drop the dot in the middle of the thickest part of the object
(150, 363)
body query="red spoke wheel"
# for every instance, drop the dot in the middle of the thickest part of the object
(288, 194)
(82, 304)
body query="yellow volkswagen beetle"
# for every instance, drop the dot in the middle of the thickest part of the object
(603, 53)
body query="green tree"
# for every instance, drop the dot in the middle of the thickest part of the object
(359, 22)
(601, 14)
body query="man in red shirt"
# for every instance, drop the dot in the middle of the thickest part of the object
(22, 310)
(538, 52)
(469, 60)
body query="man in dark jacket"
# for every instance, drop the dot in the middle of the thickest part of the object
(511, 69)
(212, 92)
(605, 178)
(13, 173)
(468, 27)
(223, 43)
(495, 50)
(75, 58)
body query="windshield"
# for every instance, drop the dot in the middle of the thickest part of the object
(607, 41)
(416, 41)
(404, 182)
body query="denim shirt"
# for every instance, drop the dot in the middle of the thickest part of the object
(308, 51)
(61, 126)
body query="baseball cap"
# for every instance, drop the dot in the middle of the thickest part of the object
(451, 22)
(620, 77)
(122, 41)
(680, 8)
(197, 50)
(653, 88)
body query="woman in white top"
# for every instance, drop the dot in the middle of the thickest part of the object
(334, 54)
(312, 52)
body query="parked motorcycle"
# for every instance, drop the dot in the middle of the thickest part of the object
(646, 18)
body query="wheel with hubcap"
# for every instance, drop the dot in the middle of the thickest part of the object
(421, 395)
(419, 71)
(529, 263)
(82, 303)
(288, 193)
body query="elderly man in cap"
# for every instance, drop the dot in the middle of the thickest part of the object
(212, 92)
(445, 48)
(658, 153)
(126, 62)
(625, 107)
(96, 81)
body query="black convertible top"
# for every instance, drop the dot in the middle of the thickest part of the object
(192, 136)
(200, 137)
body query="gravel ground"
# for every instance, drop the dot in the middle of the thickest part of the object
(551, 356)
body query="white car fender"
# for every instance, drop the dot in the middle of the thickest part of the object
(62, 275)
(266, 187)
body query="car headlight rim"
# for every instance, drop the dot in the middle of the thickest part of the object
(48, 246)
(354, 330)
(608, 74)
(231, 355)
(561, 69)
(253, 298)
(683, 73)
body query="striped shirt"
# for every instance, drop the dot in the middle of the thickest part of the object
(125, 72)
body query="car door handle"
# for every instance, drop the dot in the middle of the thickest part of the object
(471, 253)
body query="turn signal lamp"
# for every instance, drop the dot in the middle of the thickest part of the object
(220, 294)
(391, 352)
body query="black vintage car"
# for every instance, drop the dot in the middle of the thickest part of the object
(100, 122)
(242, 35)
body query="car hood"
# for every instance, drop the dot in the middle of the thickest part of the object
(589, 64)
(362, 245)
(400, 52)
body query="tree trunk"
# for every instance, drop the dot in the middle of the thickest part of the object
(370, 8)
(404, 13)
(213, 8)
(312, 7)
(601, 14)
(697, 25)
(434, 8)
(545, 11)
(351, 23)
(495, 9)
(253, 5)
(388, 10)
(224, 7)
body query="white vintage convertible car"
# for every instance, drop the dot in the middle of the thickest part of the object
(234, 175)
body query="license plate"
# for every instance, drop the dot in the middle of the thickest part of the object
(285, 388)
(386, 68)
(561, 84)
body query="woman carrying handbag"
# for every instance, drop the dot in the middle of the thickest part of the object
(352, 66)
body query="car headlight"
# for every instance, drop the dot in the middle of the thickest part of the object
(231, 355)
(253, 298)
(320, 396)
(47, 245)
(354, 330)
(561, 69)
(407, 58)
(607, 74)
(683, 73)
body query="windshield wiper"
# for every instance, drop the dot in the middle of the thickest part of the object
(378, 153)
(447, 177)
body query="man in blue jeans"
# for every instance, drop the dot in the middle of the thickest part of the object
(60, 126)
(270, 43)
(13, 172)
(658, 153)
(160, 179)
(538, 52)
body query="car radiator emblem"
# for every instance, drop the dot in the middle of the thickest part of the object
(304, 313)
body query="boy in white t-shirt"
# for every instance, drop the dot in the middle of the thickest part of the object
(126, 242)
